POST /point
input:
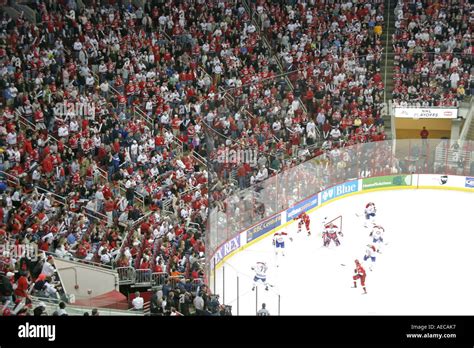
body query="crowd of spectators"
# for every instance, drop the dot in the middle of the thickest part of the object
(115, 118)
(328, 90)
(82, 162)
(35, 276)
(109, 106)
(186, 301)
(433, 53)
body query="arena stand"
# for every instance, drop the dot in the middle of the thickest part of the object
(433, 53)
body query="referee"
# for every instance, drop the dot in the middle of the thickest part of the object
(263, 312)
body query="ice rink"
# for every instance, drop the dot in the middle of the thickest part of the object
(425, 269)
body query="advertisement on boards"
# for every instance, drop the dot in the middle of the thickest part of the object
(339, 190)
(469, 182)
(263, 227)
(301, 207)
(386, 181)
(226, 249)
(442, 180)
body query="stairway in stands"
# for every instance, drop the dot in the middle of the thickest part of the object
(470, 132)
(387, 59)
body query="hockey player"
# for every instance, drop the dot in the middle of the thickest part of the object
(279, 242)
(370, 255)
(377, 234)
(260, 274)
(359, 273)
(325, 232)
(304, 219)
(370, 212)
(331, 232)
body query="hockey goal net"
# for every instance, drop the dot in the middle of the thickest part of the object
(337, 222)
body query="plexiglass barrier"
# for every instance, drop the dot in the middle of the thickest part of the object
(242, 209)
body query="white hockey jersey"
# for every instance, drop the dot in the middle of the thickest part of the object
(260, 270)
(377, 232)
(331, 228)
(280, 236)
(370, 251)
(370, 209)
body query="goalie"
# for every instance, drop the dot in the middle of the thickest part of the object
(331, 233)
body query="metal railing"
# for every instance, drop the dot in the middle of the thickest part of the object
(142, 114)
(200, 159)
(145, 277)
(61, 199)
(158, 279)
(10, 178)
(142, 277)
(28, 124)
(126, 275)
(92, 263)
(137, 195)
(387, 40)
(174, 280)
(467, 123)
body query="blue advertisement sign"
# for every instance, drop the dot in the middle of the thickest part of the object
(263, 227)
(301, 207)
(339, 190)
(469, 182)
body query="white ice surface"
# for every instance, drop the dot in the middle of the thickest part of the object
(426, 268)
